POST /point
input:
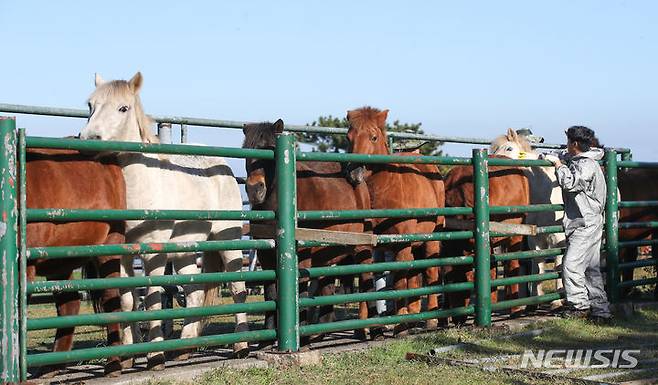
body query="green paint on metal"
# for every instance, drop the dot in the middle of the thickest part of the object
(186, 149)
(65, 215)
(287, 278)
(381, 213)
(611, 227)
(524, 209)
(530, 254)
(633, 204)
(332, 271)
(136, 316)
(639, 282)
(57, 252)
(43, 359)
(638, 264)
(156, 280)
(9, 275)
(638, 225)
(526, 301)
(643, 242)
(367, 158)
(482, 242)
(307, 330)
(633, 164)
(22, 234)
(377, 295)
(524, 279)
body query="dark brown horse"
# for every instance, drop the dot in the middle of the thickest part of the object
(508, 186)
(637, 184)
(320, 186)
(67, 179)
(396, 186)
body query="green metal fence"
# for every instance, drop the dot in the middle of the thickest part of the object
(14, 323)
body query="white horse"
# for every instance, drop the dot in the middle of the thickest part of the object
(167, 182)
(544, 189)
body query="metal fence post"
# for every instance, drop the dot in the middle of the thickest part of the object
(164, 132)
(9, 285)
(482, 242)
(612, 225)
(286, 221)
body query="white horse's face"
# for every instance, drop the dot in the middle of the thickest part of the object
(511, 150)
(112, 113)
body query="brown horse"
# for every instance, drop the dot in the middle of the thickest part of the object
(67, 179)
(396, 186)
(637, 184)
(508, 186)
(320, 186)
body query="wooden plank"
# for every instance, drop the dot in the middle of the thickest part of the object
(498, 227)
(342, 237)
(304, 234)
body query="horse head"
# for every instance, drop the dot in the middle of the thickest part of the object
(260, 172)
(366, 135)
(116, 112)
(512, 145)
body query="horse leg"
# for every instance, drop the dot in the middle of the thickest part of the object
(185, 263)
(627, 254)
(232, 260)
(512, 269)
(363, 255)
(110, 301)
(131, 331)
(267, 260)
(432, 250)
(154, 265)
(401, 283)
(67, 303)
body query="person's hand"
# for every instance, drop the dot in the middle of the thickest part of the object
(553, 159)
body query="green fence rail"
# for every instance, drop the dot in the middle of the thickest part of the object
(14, 323)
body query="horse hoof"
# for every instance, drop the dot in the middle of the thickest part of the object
(360, 334)
(182, 355)
(556, 304)
(401, 330)
(459, 320)
(432, 324)
(377, 333)
(47, 373)
(127, 363)
(265, 345)
(241, 350)
(156, 363)
(113, 368)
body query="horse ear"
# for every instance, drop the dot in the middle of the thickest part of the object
(136, 82)
(98, 80)
(278, 126)
(510, 134)
(381, 118)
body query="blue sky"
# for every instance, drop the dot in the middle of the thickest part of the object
(469, 68)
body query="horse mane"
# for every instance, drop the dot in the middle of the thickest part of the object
(258, 135)
(121, 89)
(511, 136)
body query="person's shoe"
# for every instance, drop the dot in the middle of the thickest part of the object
(570, 312)
(600, 320)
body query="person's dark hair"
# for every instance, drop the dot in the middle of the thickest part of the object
(585, 137)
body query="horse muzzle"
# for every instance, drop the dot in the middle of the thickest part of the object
(256, 192)
(355, 174)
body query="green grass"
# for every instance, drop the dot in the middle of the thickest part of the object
(387, 364)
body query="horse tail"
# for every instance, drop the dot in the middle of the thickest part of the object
(91, 270)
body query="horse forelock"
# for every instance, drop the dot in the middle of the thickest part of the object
(258, 135)
(364, 115)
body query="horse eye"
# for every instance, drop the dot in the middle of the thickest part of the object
(124, 108)
(373, 138)
(509, 149)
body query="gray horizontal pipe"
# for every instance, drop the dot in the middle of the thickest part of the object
(78, 113)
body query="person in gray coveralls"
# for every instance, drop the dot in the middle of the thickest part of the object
(584, 192)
